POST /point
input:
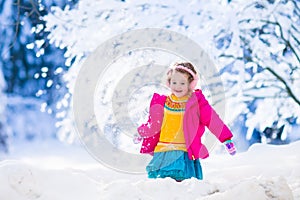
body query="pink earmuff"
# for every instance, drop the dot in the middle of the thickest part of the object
(193, 84)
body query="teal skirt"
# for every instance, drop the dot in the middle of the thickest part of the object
(174, 164)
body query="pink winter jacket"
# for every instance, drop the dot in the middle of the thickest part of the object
(198, 114)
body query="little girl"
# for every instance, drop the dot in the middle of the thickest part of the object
(175, 126)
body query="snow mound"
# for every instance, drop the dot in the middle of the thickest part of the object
(264, 172)
(272, 188)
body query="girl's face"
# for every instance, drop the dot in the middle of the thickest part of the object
(179, 84)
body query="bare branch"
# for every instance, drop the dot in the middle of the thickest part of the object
(287, 42)
(230, 56)
(287, 87)
(17, 25)
(34, 8)
(295, 38)
(295, 28)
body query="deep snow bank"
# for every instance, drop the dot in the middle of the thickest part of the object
(264, 172)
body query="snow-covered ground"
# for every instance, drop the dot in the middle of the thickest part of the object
(55, 171)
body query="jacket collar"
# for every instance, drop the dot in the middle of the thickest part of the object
(193, 100)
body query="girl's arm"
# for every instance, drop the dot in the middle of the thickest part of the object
(153, 125)
(211, 119)
(150, 131)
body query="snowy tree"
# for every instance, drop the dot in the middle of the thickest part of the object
(254, 45)
(268, 32)
(32, 68)
(3, 131)
(82, 29)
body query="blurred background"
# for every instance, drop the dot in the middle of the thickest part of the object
(255, 45)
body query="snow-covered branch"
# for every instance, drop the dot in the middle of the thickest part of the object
(254, 44)
(287, 87)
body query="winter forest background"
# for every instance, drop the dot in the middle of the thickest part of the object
(255, 45)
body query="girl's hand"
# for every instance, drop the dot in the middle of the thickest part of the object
(229, 145)
(137, 139)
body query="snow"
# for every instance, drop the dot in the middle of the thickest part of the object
(44, 169)
(229, 33)
(53, 170)
(28, 118)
